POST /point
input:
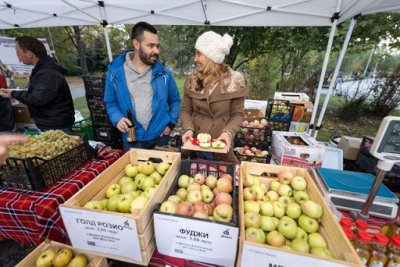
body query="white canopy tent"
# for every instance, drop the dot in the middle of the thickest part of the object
(51, 13)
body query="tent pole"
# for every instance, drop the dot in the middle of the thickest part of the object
(335, 73)
(323, 71)
(110, 58)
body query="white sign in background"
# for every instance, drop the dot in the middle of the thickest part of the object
(105, 233)
(196, 240)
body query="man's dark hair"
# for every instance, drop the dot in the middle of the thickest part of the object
(29, 43)
(139, 28)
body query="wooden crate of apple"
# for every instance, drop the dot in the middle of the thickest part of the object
(54, 254)
(288, 212)
(202, 197)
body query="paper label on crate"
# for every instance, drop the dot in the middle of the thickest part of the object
(196, 240)
(254, 255)
(102, 233)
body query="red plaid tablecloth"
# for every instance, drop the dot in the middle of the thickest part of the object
(30, 217)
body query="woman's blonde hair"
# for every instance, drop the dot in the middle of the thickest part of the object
(211, 74)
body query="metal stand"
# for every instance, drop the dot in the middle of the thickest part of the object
(372, 194)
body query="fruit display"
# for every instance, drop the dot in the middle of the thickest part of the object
(254, 131)
(280, 213)
(133, 190)
(45, 145)
(253, 154)
(205, 141)
(64, 257)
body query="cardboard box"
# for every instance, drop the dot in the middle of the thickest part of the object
(292, 97)
(198, 239)
(21, 114)
(296, 149)
(30, 260)
(253, 114)
(299, 127)
(252, 254)
(350, 146)
(122, 236)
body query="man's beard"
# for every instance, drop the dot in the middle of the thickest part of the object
(146, 58)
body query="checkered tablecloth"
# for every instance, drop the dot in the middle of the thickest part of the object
(30, 217)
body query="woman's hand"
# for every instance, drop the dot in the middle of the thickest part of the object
(187, 136)
(226, 137)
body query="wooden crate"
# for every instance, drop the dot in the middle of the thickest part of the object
(140, 223)
(30, 260)
(339, 245)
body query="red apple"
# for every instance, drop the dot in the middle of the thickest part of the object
(185, 208)
(223, 197)
(285, 176)
(200, 206)
(224, 185)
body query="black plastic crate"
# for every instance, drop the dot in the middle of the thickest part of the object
(100, 118)
(94, 85)
(175, 141)
(252, 134)
(279, 111)
(35, 173)
(205, 167)
(259, 159)
(106, 133)
(95, 102)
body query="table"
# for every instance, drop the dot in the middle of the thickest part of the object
(30, 217)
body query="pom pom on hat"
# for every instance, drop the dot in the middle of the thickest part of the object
(214, 46)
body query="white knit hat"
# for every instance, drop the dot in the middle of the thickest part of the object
(214, 46)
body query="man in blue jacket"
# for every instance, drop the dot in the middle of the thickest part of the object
(137, 82)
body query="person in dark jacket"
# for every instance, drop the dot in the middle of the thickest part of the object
(48, 96)
(6, 112)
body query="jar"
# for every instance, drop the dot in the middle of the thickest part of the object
(361, 245)
(360, 225)
(393, 252)
(391, 229)
(349, 233)
(346, 223)
(378, 251)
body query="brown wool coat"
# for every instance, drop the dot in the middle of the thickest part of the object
(222, 110)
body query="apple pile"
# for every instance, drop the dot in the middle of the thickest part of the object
(283, 215)
(202, 197)
(62, 258)
(132, 190)
(255, 124)
(250, 151)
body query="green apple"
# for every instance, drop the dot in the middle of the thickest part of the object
(131, 170)
(135, 194)
(79, 260)
(255, 235)
(45, 258)
(103, 203)
(146, 168)
(223, 213)
(276, 239)
(249, 193)
(182, 193)
(175, 198)
(112, 203)
(147, 183)
(284, 200)
(301, 234)
(300, 196)
(163, 167)
(252, 219)
(272, 195)
(276, 221)
(201, 214)
(274, 185)
(279, 209)
(128, 187)
(63, 257)
(267, 223)
(168, 207)
(260, 192)
(298, 183)
(208, 195)
(311, 209)
(183, 181)
(138, 203)
(300, 245)
(113, 189)
(94, 205)
(124, 203)
(193, 186)
(139, 180)
(285, 190)
(266, 208)
(211, 181)
(308, 224)
(251, 205)
(293, 210)
(288, 228)
(199, 178)
(321, 252)
(150, 191)
(249, 180)
(316, 240)
(194, 196)
(124, 179)
(156, 177)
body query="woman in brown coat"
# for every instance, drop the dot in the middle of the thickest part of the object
(214, 94)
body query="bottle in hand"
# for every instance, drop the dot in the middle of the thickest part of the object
(131, 130)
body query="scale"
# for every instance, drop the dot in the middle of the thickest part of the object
(349, 191)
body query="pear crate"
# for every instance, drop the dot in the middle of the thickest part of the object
(123, 230)
(31, 259)
(274, 246)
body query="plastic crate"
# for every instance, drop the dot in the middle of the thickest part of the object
(36, 173)
(253, 135)
(95, 102)
(94, 85)
(366, 143)
(100, 118)
(242, 157)
(106, 134)
(84, 127)
(279, 111)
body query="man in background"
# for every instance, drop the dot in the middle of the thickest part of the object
(48, 96)
(6, 112)
(137, 82)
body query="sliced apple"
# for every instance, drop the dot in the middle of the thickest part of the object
(218, 144)
(205, 145)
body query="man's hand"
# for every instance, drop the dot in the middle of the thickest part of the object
(8, 139)
(226, 138)
(5, 92)
(123, 125)
(187, 136)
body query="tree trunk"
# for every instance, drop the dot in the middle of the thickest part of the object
(81, 50)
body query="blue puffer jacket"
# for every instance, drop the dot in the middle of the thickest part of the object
(165, 104)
